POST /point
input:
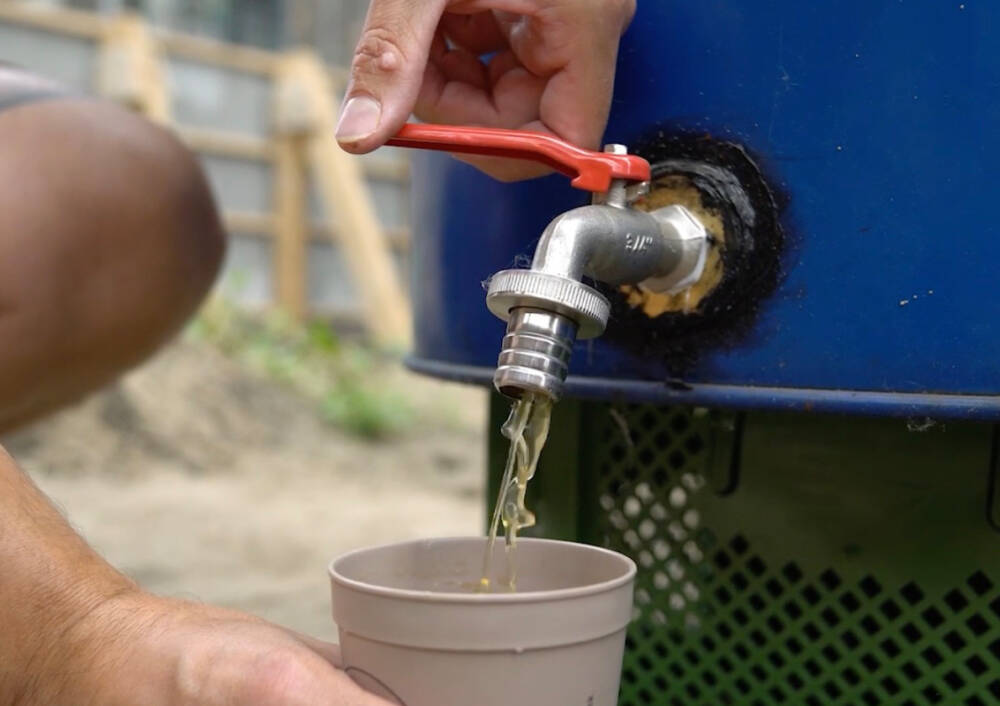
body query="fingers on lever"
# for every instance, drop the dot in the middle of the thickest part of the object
(387, 71)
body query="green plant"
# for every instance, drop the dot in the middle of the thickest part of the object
(343, 378)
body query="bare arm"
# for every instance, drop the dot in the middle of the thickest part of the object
(75, 631)
(51, 581)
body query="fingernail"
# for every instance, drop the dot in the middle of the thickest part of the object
(358, 119)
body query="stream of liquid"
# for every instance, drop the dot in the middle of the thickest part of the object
(527, 428)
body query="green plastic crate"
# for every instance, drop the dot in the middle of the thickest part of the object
(786, 559)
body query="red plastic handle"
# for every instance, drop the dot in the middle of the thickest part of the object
(591, 171)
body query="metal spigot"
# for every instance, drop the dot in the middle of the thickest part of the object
(545, 315)
(548, 307)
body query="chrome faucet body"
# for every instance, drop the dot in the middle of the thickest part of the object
(620, 245)
(548, 307)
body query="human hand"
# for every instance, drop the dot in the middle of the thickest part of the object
(550, 67)
(139, 649)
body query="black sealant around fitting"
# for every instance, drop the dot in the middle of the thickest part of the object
(730, 183)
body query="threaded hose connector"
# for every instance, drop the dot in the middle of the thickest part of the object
(545, 314)
(583, 305)
(534, 356)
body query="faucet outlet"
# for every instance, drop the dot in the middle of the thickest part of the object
(534, 355)
(545, 314)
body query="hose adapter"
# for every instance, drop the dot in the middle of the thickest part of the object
(545, 314)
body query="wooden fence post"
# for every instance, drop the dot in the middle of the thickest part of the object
(291, 204)
(130, 69)
(307, 105)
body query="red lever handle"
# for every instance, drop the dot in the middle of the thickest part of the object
(591, 171)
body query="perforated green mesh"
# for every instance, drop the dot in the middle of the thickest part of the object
(793, 559)
(719, 622)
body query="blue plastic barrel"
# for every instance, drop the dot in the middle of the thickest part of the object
(874, 123)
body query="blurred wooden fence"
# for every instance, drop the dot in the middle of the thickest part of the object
(262, 123)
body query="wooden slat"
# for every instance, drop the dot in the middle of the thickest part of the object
(234, 56)
(345, 194)
(256, 224)
(265, 225)
(80, 23)
(215, 53)
(130, 68)
(397, 238)
(227, 144)
(76, 23)
(236, 145)
(310, 105)
(291, 202)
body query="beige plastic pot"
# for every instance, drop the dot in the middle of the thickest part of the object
(413, 630)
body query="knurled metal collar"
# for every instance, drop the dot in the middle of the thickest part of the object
(586, 306)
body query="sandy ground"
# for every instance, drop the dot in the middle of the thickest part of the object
(203, 480)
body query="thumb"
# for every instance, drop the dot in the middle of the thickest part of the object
(387, 71)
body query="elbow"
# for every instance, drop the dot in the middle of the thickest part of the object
(185, 232)
(609, 244)
(573, 240)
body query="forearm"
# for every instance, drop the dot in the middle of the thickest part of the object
(50, 582)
